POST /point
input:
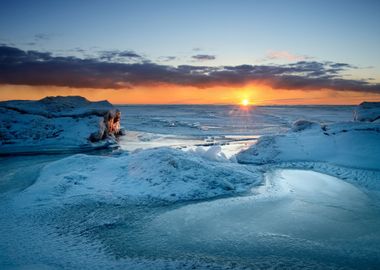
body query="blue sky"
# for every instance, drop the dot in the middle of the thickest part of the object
(331, 46)
(236, 32)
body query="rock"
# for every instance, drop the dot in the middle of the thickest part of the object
(367, 112)
(109, 127)
(112, 121)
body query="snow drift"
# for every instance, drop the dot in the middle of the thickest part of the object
(55, 124)
(367, 112)
(350, 144)
(162, 174)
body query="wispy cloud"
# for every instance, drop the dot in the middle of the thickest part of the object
(203, 57)
(284, 55)
(167, 58)
(42, 68)
(42, 37)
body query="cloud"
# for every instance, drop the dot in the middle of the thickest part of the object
(42, 68)
(284, 55)
(167, 58)
(42, 37)
(203, 57)
(116, 55)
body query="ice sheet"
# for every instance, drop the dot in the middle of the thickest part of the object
(192, 205)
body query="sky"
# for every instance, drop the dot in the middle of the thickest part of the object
(192, 52)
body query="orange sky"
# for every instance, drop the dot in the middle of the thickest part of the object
(169, 94)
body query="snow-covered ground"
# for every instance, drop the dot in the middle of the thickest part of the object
(296, 216)
(367, 112)
(349, 144)
(162, 174)
(202, 187)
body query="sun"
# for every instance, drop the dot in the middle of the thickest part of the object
(245, 102)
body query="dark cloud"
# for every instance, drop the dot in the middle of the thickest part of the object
(115, 55)
(203, 57)
(42, 68)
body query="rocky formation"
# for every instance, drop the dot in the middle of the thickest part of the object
(367, 112)
(109, 127)
(57, 124)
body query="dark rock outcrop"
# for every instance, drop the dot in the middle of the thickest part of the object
(109, 127)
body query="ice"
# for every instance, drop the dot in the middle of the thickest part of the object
(135, 140)
(176, 195)
(349, 144)
(302, 124)
(51, 125)
(213, 153)
(313, 197)
(367, 111)
(198, 120)
(163, 174)
(59, 106)
(297, 214)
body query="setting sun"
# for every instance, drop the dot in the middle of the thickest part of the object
(245, 102)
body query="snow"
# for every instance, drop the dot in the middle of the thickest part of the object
(162, 174)
(302, 124)
(367, 112)
(59, 106)
(213, 153)
(349, 144)
(179, 195)
(296, 214)
(298, 190)
(51, 125)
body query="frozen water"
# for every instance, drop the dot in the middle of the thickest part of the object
(297, 219)
(162, 174)
(367, 111)
(51, 125)
(176, 197)
(232, 127)
(226, 120)
(349, 144)
(298, 214)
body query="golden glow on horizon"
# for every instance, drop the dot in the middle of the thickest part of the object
(169, 94)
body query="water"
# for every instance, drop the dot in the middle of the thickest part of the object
(233, 127)
(296, 219)
(201, 120)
